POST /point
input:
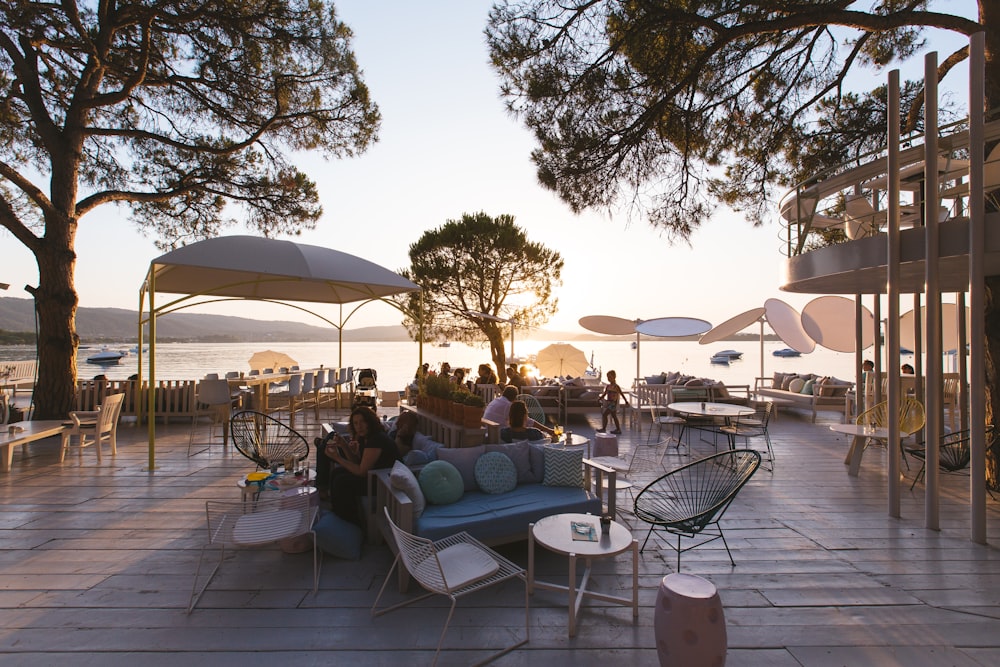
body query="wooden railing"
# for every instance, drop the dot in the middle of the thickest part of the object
(174, 398)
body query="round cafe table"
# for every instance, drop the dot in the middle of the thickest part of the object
(556, 534)
(708, 409)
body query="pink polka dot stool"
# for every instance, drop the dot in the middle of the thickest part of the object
(689, 624)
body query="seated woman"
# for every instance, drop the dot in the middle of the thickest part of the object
(518, 430)
(486, 375)
(369, 449)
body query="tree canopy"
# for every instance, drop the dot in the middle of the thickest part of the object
(673, 106)
(480, 264)
(186, 113)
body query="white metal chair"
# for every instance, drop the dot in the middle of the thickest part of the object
(453, 566)
(286, 399)
(661, 418)
(248, 524)
(98, 425)
(754, 425)
(214, 398)
(309, 398)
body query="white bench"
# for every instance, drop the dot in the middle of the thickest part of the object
(17, 374)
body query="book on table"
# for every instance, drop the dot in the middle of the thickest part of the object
(583, 531)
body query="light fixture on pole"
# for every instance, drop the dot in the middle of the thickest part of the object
(494, 318)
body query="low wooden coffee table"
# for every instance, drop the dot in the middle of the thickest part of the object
(555, 534)
(27, 431)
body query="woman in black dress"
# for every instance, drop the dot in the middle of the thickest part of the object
(369, 449)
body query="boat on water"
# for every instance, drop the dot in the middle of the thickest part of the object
(634, 345)
(787, 352)
(444, 344)
(721, 359)
(107, 357)
(732, 355)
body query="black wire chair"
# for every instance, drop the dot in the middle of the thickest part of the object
(954, 453)
(265, 440)
(689, 501)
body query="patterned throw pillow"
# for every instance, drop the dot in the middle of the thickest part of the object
(441, 483)
(563, 467)
(495, 473)
(520, 455)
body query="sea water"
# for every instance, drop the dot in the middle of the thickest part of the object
(396, 362)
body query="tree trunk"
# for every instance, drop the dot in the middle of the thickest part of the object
(55, 304)
(498, 354)
(992, 326)
(991, 26)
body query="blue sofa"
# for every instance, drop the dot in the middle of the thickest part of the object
(491, 518)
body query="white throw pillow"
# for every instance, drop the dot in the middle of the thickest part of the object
(402, 478)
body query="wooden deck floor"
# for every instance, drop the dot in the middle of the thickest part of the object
(97, 562)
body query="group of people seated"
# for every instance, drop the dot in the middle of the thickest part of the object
(344, 460)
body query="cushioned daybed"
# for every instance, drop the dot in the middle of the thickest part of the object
(809, 391)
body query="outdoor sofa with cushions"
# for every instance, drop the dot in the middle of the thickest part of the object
(808, 391)
(493, 492)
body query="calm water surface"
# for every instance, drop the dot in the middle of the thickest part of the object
(395, 362)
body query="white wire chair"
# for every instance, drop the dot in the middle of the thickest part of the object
(453, 566)
(255, 523)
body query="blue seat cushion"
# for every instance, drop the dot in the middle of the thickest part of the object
(503, 516)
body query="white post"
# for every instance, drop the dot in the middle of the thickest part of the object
(977, 299)
(892, 287)
(932, 395)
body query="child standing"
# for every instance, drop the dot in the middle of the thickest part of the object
(609, 403)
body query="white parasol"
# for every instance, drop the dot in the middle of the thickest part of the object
(561, 359)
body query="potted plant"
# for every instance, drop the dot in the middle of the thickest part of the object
(473, 414)
(456, 411)
(439, 393)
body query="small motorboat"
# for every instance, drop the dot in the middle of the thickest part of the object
(721, 359)
(787, 352)
(444, 344)
(733, 355)
(634, 345)
(106, 357)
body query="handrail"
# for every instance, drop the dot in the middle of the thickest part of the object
(807, 196)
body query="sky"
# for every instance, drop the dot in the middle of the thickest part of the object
(448, 147)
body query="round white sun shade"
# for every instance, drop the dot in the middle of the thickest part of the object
(673, 327)
(787, 323)
(608, 325)
(829, 320)
(949, 327)
(732, 326)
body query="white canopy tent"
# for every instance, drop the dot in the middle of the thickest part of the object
(250, 267)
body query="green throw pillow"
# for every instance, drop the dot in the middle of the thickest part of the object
(441, 483)
(563, 467)
(495, 473)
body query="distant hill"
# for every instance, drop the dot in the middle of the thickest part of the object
(96, 325)
(119, 324)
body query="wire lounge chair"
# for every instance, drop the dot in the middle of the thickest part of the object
(954, 453)
(690, 500)
(264, 440)
(452, 566)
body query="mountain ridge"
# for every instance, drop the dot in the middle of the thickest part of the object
(97, 325)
